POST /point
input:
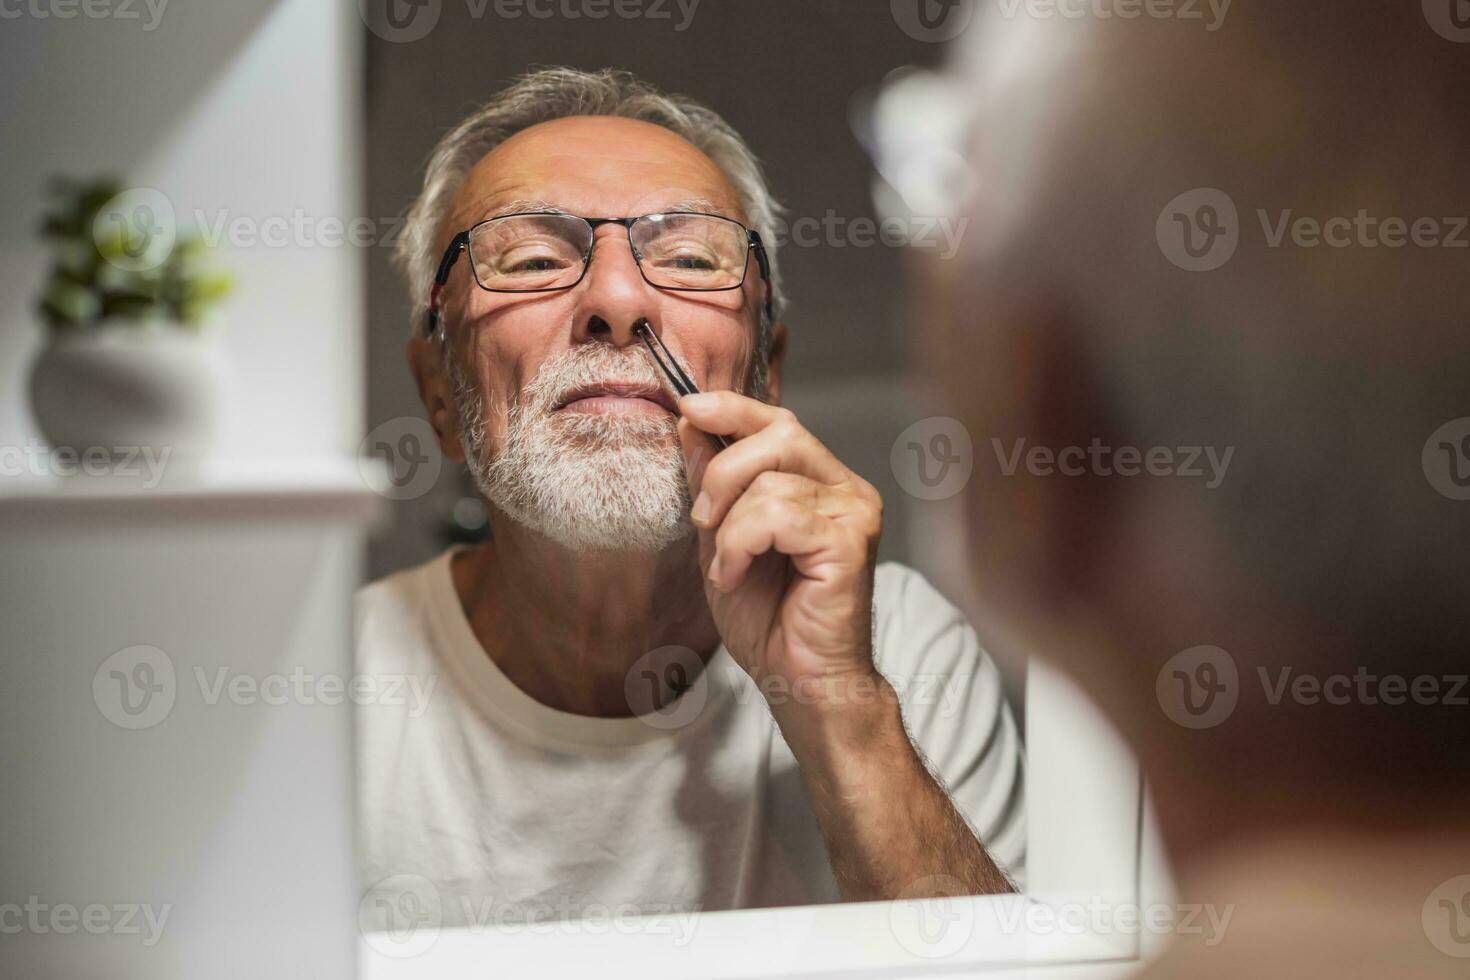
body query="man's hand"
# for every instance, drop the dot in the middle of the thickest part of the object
(788, 538)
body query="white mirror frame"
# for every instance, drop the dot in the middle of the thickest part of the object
(1084, 832)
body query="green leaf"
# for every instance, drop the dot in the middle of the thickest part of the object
(91, 275)
(71, 303)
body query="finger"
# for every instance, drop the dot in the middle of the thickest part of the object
(783, 447)
(758, 525)
(698, 452)
(729, 413)
(769, 483)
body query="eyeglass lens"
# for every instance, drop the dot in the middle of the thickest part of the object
(526, 252)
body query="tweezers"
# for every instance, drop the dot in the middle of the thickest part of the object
(680, 381)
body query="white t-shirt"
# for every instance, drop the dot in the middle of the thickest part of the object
(511, 811)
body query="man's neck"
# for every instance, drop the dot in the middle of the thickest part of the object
(565, 627)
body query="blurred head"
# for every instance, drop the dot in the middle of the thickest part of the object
(520, 385)
(1174, 451)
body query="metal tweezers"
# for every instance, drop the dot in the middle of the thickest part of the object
(680, 381)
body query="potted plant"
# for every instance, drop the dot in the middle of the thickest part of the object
(129, 362)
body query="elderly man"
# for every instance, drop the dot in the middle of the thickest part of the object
(669, 681)
(1251, 239)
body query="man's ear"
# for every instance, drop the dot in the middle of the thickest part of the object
(424, 361)
(774, 362)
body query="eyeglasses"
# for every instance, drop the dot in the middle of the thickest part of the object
(546, 251)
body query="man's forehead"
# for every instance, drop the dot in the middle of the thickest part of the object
(598, 166)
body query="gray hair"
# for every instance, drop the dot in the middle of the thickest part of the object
(556, 93)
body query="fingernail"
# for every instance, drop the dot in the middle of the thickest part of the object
(703, 400)
(700, 511)
(695, 460)
(714, 574)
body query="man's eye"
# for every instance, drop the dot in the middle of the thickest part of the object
(691, 262)
(694, 259)
(523, 260)
(535, 265)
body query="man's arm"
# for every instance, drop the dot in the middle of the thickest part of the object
(891, 830)
(788, 540)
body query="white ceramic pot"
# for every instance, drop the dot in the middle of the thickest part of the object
(122, 387)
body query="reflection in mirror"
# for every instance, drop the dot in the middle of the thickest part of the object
(702, 641)
(646, 677)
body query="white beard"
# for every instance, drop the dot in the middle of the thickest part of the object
(588, 482)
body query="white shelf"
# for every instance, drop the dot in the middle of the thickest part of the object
(975, 935)
(225, 490)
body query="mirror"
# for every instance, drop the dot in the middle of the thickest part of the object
(518, 808)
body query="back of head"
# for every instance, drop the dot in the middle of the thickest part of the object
(1250, 237)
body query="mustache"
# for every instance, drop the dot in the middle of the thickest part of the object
(579, 367)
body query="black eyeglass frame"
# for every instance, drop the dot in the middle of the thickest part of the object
(461, 243)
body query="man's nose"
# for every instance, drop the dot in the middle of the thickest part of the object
(614, 294)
